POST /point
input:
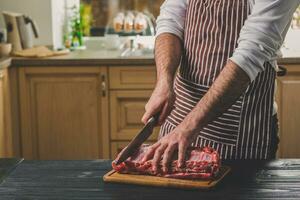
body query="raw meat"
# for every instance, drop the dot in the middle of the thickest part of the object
(201, 163)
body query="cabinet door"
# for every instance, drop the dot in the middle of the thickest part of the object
(2, 137)
(9, 135)
(63, 113)
(126, 110)
(288, 99)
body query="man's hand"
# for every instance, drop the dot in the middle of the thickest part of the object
(179, 139)
(161, 101)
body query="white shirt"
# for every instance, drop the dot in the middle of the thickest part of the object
(260, 38)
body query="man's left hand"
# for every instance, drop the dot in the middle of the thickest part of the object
(178, 139)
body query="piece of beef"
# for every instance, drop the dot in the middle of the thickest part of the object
(201, 163)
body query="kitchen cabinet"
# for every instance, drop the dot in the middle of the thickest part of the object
(81, 112)
(288, 99)
(126, 111)
(129, 90)
(64, 112)
(89, 112)
(9, 145)
(132, 77)
(2, 127)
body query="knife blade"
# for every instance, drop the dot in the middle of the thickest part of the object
(138, 140)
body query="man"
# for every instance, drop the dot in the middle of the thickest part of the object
(223, 93)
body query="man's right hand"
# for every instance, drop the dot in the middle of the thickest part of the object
(162, 100)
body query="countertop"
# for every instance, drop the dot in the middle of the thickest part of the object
(99, 58)
(289, 60)
(278, 179)
(86, 58)
(5, 62)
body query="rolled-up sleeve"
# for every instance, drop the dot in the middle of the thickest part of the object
(263, 34)
(172, 18)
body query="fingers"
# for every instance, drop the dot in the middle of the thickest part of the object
(157, 156)
(150, 152)
(167, 157)
(160, 101)
(165, 111)
(150, 111)
(181, 153)
(146, 117)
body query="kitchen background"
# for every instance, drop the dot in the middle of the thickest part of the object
(52, 17)
(87, 102)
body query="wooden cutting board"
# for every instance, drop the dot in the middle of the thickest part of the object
(39, 52)
(147, 180)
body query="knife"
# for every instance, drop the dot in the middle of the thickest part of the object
(138, 140)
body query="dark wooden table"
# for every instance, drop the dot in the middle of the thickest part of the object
(8, 165)
(76, 180)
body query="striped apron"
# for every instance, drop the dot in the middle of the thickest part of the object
(211, 31)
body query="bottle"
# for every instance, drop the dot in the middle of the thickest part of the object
(77, 36)
(86, 18)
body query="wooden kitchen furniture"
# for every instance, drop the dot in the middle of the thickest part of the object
(89, 108)
(130, 88)
(81, 112)
(288, 99)
(3, 112)
(9, 130)
(64, 112)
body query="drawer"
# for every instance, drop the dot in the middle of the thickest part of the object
(126, 110)
(132, 77)
(116, 147)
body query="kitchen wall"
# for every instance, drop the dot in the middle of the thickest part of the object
(291, 46)
(39, 10)
(59, 16)
(48, 14)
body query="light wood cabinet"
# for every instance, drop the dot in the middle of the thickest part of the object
(130, 89)
(64, 112)
(81, 112)
(9, 137)
(288, 99)
(2, 128)
(93, 112)
(126, 111)
(129, 77)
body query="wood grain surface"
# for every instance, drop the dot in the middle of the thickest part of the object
(64, 114)
(82, 180)
(288, 94)
(116, 177)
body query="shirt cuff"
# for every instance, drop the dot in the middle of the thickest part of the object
(246, 65)
(167, 29)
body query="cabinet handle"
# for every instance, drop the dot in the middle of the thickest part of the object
(103, 85)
